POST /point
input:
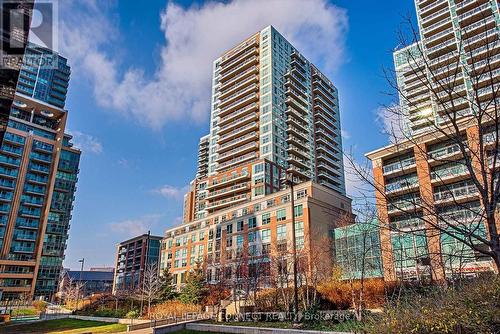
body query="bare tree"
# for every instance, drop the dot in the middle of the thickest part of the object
(151, 285)
(451, 123)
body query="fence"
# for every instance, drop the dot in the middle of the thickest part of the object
(153, 323)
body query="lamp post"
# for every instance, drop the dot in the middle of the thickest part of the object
(79, 284)
(290, 182)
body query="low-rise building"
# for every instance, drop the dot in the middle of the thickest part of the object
(92, 282)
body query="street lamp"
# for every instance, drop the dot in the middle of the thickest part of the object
(289, 181)
(79, 284)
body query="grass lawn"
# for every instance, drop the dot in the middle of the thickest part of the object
(63, 326)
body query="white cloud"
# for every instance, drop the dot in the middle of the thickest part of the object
(172, 192)
(85, 142)
(390, 122)
(135, 226)
(194, 37)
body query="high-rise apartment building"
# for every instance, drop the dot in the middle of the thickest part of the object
(132, 258)
(447, 74)
(38, 175)
(272, 112)
(457, 39)
(203, 153)
(16, 19)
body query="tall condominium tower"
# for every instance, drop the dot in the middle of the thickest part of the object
(38, 175)
(457, 39)
(454, 68)
(272, 112)
(16, 19)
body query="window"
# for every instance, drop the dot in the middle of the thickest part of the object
(176, 264)
(252, 222)
(229, 228)
(298, 210)
(229, 242)
(301, 193)
(239, 241)
(200, 249)
(281, 232)
(252, 236)
(210, 234)
(266, 235)
(201, 236)
(210, 246)
(177, 242)
(193, 237)
(299, 228)
(266, 218)
(281, 215)
(239, 226)
(266, 249)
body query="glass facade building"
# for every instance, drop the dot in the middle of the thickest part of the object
(38, 176)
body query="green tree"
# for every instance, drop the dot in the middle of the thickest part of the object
(194, 289)
(168, 289)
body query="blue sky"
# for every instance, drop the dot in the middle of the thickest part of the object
(138, 95)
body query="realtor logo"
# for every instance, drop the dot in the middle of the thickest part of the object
(43, 29)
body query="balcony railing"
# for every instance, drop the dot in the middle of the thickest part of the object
(454, 169)
(399, 165)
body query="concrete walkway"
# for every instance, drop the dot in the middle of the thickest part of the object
(139, 331)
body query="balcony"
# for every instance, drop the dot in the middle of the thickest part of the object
(436, 26)
(404, 205)
(227, 65)
(237, 151)
(225, 181)
(237, 132)
(292, 149)
(226, 101)
(242, 66)
(301, 163)
(253, 97)
(237, 161)
(236, 52)
(228, 202)
(228, 191)
(439, 14)
(397, 166)
(456, 192)
(402, 183)
(236, 116)
(302, 144)
(237, 86)
(237, 141)
(433, 5)
(9, 161)
(449, 171)
(443, 152)
(237, 122)
(301, 134)
(475, 11)
(239, 77)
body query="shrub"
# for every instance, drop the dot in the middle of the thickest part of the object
(24, 311)
(132, 314)
(471, 308)
(173, 308)
(40, 305)
(339, 292)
